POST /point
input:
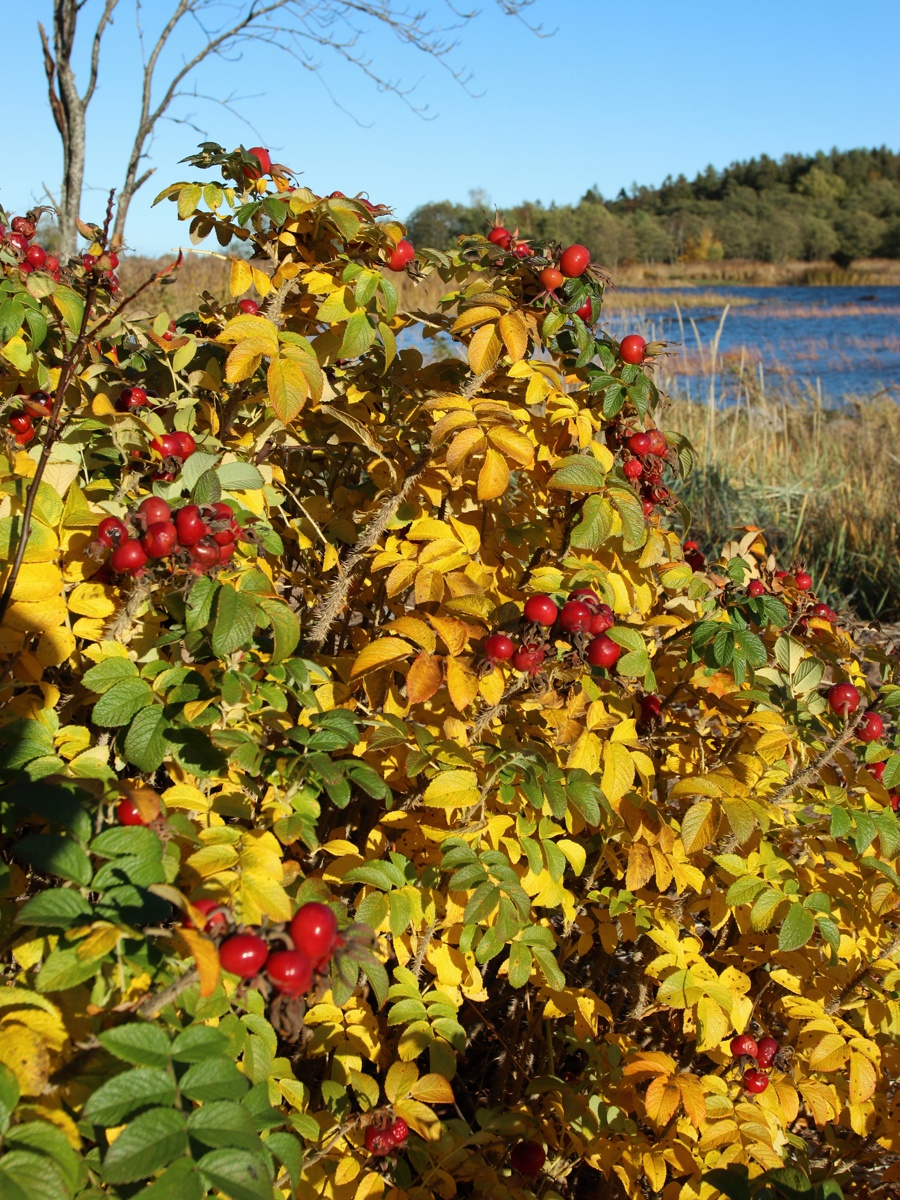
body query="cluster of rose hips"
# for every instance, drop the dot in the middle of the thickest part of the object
(21, 422)
(843, 700)
(313, 933)
(197, 537)
(694, 556)
(31, 256)
(645, 451)
(385, 1136)
(763, 1054)
(583, 618)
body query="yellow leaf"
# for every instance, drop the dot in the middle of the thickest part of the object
(654, 1168)
(429, 586)
(211, 860)
(698, 826)
(55, 647)
(493, 478)
(862, 1079)
(640, 866)
(474, 316)
(661, 1101)
(98, 943)
(419, 1118)
(515, 445)
(453, 789)
(27, 1056)
(618, 771)
(514, 331)
(261, 896)
(92, 600)
(183, 796)
(261, 280)
(251, 330)
(42, 617)
(415, 630)
(692, 1097)
(378, 654)
(452, 632)
(287, 387)
(462, 684)
(432, 1089)
(424, 678)
(449, 424)
(464, 444)
(484, 349)
(829, 1054)
(206, 958)
(35, 581)
(241, 276)
(242, 362)
(347, 1170)
(399, 1081)
(400, 577)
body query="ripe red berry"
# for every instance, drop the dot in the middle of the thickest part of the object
(154, 509)
(20, 422)
(755, 1081)
(574, 261)
(262, 156)
(499, 647)
(894, 798)
(399, 1131)
(500, 237)
(522, 250)
(822, 611)
(23, 438)
(205, 553)
(575, 617)
(36, 255)
(314, 931)
(651, 707)
(19, 242)
(225, 552)
(184, 444)
(23, 225)
(648, 506)
(127, 813)
(128, 558)
(803, 581)
(131, 398)
(843, 699)
(877, 769)
(602, 619)
(540, 609)
(166, 446)
(528, 659)
(658, 443)
(212, 923)
(756, 587)
(189, 525)
(586, 312)
(744, 1044)
(111, 532)
(870, 728)
(249, 306)
(51, 264)
(633, 469)
(768, 1048)
(379, 1142)
(243, 954)
(631, 349)
(551, 279)
(639, 443)
(527, 1157)
(603, 652)
(290, 971)
(586, 595)
(160, 539)
(659, 493)
(403, 253)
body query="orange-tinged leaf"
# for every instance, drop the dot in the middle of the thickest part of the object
(424, 678)
(515, 445)
(400, 577)
(287, 388)
(452, 632)
(380, 653)
(692, 1097)
(429, 586)
(206, 958)
(474, 316)
(252, 330)
(829, 1053)
(862, 1079)
(464, 444)
(242, 362)
(640, 866)
(415, 630)
(460, 419)
(462, 684)
(661, 1101)
(484, 349)
(493, 478)
(654, 1168)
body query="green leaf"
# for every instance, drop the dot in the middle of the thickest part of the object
(744, 891)
(71, 307)
(634, 526)
(237, 1173)
(108, 673)
(149, 1143)
(53, 854)
(138, 1042)
(358, 336)
(198, 464)
(121, 702)
(224, 1123)
(288, 1149)
(550, 968)
(45, 1138)
(124, 1094)
(9, 1095)
(581, 473)
(180, 1181)
(596, 521)
(28, 1176)
(197, 1043)
(235, 620)
(207, 489)
(56, 907)
(200, 603)
(240, 477)
(145, 743)
(126, 839)
(797, 928)
(520, 964)
(63, 969)
(214, 1079)
(285, 626)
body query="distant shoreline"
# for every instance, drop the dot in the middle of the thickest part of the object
(864, 272)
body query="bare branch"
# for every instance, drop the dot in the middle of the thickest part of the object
(95, 50)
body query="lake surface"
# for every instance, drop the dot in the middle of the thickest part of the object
(839, 341)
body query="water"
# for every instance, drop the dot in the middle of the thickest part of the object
(839, 341)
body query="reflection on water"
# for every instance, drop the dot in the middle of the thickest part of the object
(840, 341)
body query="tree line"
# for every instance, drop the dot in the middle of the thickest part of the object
(841, 205)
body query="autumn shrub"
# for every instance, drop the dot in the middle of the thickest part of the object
(348, 852)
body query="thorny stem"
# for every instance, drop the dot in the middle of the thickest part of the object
(811, 772)
(158, 1000)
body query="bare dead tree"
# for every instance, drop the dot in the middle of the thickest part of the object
(205, 29)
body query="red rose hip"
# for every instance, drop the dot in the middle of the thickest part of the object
(290, 971)
(755, 1081)
(574, 261)
(631, 349)
(575, 617)
(768, 1048)
(744, 1044)
(499, 647)
(527, 1157)
(843, 699)
(127, 813)
(243, 955)
(870, 728)
(603, 652)
(540, 609)
(314, 931)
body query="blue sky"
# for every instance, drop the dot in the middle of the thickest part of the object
(618, 94)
